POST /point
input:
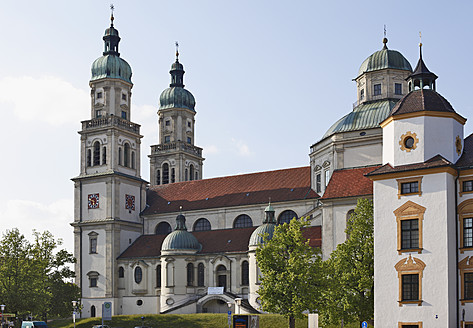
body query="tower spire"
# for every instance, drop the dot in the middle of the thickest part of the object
(385, 40)
(112, 8)
(421, 77)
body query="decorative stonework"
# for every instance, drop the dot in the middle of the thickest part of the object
(410, 266)
(408, 141)
(409, 211)
(465, 266)
(458, 145)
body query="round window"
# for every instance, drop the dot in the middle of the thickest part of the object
(138, 275)
(409, 142)
(139, 302)
(169, 301)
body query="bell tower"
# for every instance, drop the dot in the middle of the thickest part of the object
(109, 193)
(176, 158)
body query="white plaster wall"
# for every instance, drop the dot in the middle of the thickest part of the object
(93, 262)
(363, 155)
(389, 144)
(129, 306)
(438, 230)
(440, 135)
(401, 127)
(127, 238)
(134, 190)
(94, 213)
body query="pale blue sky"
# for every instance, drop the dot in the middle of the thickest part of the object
(269, 78)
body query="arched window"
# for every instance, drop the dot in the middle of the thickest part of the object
(158, 177)
(245, 273)
(242, 221)
(165, 173)
(286, 216)
(191, 172)
(186, 174)
(96, 153)
(92, 311)
(104, 155)
(200, 275)
(120, 156)
(190, 274)
(163, 228)
(202, 225)
(89, 157)
(126, 155)
(138, 274)
(132, 159)
(121, 272)
(158, 276)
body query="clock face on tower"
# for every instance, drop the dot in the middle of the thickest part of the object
(93, 201)
(130, 202)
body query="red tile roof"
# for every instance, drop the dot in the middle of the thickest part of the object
(236, 190)
(349, 183)
(212, 241)
(436, 161)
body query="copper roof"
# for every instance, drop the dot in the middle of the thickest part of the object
(422, 100)
(238, 190)
(212, 241)
(349, 183)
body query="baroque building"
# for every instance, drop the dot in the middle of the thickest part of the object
(184, 244)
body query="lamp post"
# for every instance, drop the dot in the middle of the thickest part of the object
(229, 314)
(74, 303)
(3, 309)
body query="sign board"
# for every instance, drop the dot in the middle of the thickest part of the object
(245, 321)
(107, 311)
(215, 291)
(7, 315)
(364, 324)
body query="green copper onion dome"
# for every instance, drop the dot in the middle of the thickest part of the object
(110, 65)
(385, 58)
(267, 228)
(176, 96)
(180, 239)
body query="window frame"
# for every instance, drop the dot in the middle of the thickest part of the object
(93, 236)
(93, 279)
(241, 217)
(400, 182)
(410, 266)
(461, 182)
(190, 274)
(396, 86)
(405, 324)
(284, 214)
(200, 275)
(465, 211)
(245, 273)
(202, 224)
(138, 275)
(465, 266)
(377, 91)
(409, 211)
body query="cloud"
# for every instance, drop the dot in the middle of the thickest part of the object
(243, 149)
(46, 99)
(28, 215)
(210, 149)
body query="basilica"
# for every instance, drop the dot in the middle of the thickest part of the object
(181, 243)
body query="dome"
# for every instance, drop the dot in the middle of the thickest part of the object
(111, 31)
(422, 100)
(176, 97)
(385, 58)
(180, 240)
(256, 238)
(364, 116)
(111, 66)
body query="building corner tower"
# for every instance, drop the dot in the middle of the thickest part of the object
(176, 158)
(109, 193)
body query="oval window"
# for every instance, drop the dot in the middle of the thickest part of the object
(138, 275)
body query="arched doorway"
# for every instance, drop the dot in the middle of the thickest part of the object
(92, 311)
(222, 277)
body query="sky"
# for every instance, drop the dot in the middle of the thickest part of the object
(269, 78)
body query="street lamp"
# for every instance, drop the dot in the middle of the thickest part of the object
(229, 314)
(3, 309)
(74, 303)
(238, 303)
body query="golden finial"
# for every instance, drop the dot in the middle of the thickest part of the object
(385, 40)
(420, 39)
(177, 51)
(112, 8)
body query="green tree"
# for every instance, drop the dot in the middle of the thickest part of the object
(350, 270)
(34, 276)
(290, 272)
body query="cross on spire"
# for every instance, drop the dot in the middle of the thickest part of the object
(177, 51)
(112, 8)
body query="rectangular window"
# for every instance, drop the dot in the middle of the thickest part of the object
(123, 114)
(467, 232)
(318, 182)
(410, 287)
(398, 88)
(92, 282)
(362, 94)
(189, 124)
(410, 234)
(99, 95)
(377, 89)
(167, 139)
(189, 140)
(467, 186)
(93, 245)
(168, 123)
(123, 96)
(409, 187)
(98, 114)
(468, 286)
(410, 326)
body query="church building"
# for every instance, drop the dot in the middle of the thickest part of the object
(181, 243)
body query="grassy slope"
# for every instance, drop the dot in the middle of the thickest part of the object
(200, 320)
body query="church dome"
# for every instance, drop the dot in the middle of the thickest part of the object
(256, 238)
(364, 116)
(180, 239)
(111, 66)
(385, 58)
(176, 97)
(422, 100)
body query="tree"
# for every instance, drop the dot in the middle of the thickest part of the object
(350, 270)
(33, 275)
(290, 272)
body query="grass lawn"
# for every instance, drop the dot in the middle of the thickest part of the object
(200, 320)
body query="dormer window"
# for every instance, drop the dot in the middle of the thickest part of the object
(377, 90)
